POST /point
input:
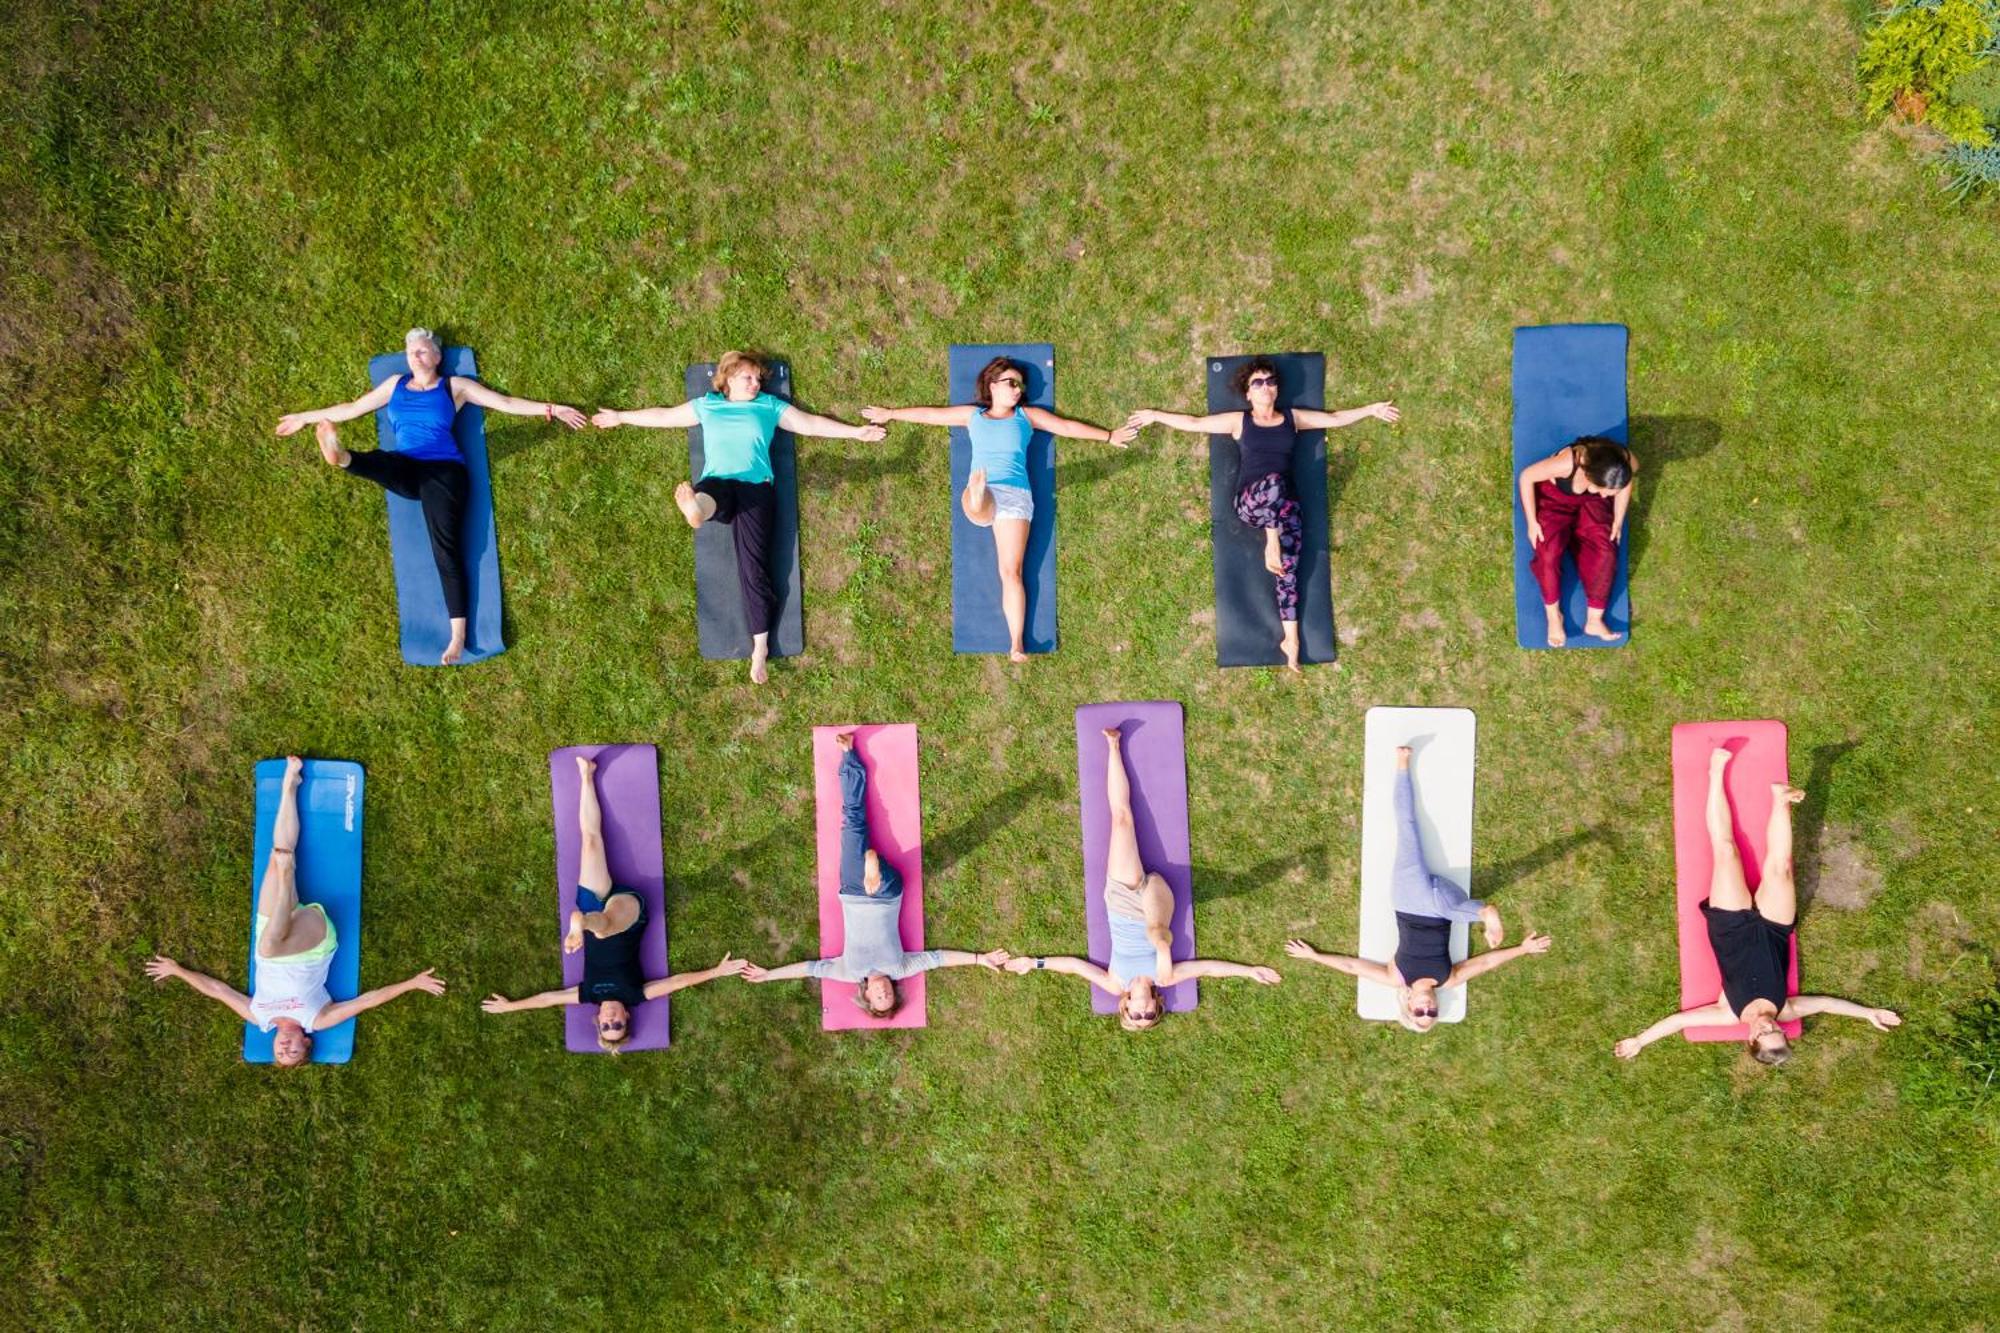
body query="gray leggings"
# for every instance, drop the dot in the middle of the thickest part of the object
(1412, 886)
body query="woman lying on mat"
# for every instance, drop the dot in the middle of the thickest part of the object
(871, 908)
(1575, 500)
(1752, 936)
(609, 925)
(997, 494)
(425, 465)
(295, 948)
(1140, 908)
(736, 485)
(1426, 905)
(1265, 496)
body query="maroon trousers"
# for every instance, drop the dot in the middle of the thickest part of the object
(1578, 525)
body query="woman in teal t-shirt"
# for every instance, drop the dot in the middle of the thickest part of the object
(997, 494)
(737, 423)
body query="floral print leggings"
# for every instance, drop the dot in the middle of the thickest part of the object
(1267, 502)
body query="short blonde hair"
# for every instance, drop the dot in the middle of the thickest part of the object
(732, 362)
(427, 336)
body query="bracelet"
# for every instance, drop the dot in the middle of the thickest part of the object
(548, 411)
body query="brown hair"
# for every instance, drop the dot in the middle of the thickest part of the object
(982, 391)
(861, 999)
(732, 362)
(1773, 1055)
(1239, 383)
(305, 1056)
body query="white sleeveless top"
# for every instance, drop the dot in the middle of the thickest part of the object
(290, 990)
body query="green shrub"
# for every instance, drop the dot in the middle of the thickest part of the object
(1953, 1059)
(1915, 56)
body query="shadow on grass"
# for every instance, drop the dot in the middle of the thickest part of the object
(1095, 467)
(1657, 441)
(1809, 820)
(871, 465)
(1212, 882)
(1505, 873)
(942, 853)
(763, 861)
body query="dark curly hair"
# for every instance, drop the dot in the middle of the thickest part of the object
(1239, 383)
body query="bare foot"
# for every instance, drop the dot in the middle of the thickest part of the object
(759, 670)
(689, 504)
(871, 870)
(329, 445)
(1719, 758)
(1112, 736)
(586, 767)
(454, 652)
(1789, 795)
(1403, 753)
(1274, 559)
(975, 489)
(1289, 646)
(845, 740)
(1558, 636)
(294, 770)
(1594, 626)
(1016, 655)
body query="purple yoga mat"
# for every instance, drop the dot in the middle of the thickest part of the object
(1156, 760)
(628, 791)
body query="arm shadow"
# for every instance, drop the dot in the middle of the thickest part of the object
(942, 853)
(1212, 882)
(1096, 466)
(1658, 441)
(1506, 873)
(1809, 821)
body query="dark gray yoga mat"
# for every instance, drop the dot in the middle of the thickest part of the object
(718, 598)
(1246, 609)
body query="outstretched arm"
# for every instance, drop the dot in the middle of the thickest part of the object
(801, 422)
(1215, 967)
(1308, 418)
(425, 981)
(728, 967)
(293, 422)
(163, 968)
(1804, 1006)
(994, 960)
(789, 972)
(660, 418)
(469, 390)
(1492, 958)
(919, 416)
(1353, 967)
(548, 999)
(1075, 967)
(1043, 419)
(1215, 423)
(1672, 1023)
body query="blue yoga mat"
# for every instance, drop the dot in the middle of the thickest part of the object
(977, 625)
(329, 861)
(1246, 608)
(418, 594)
(1569, 381)
(720, 628)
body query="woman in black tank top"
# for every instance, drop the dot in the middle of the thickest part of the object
(1752, 936)
(1265, 497)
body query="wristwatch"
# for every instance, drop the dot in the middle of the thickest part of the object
(1041, 963)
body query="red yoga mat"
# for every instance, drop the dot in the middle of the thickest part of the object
(1759, 762)
(895, 830)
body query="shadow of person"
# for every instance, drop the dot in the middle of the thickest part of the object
(1101, 463)
(1490, 880)
(943, 852)
(1212, 881)
(862, 462)
(1809, 819)
(1656, 442)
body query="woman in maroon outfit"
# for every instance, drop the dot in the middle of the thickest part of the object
(1576, 500)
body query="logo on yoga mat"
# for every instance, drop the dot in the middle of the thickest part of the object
(347, 811)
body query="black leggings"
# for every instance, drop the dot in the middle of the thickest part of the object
(441, 486)
(750, 508)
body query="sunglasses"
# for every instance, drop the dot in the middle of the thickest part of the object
(1014, 380)
(1423, 1013)
(612, 1026)
(1259, 381)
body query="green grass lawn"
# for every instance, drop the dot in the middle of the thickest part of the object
(214, 219)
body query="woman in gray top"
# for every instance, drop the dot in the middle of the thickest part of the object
(871, 908)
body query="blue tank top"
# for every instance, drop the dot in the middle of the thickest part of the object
(422, 421)
(1000, 445)
(1132, 954)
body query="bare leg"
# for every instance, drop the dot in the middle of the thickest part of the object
(287, 930)
(977, 501)
(1289, 645)
(696, 508)
(1122, 863)
(760, 658)
(1777, 894)
(1727, 890)
(1158, 902)
(593, 870)
(1010, 546)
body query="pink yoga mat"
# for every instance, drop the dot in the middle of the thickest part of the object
(628, 791)
(1759, 762)
(896, 831)
(1155, 745)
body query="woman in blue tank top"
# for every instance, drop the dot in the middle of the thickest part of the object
(425, 465)
(1426, 905)
(738, 421)
(1139, 908)
(997, 494)
(1265, 498)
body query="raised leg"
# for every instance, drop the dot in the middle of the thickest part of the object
(1727, 890)
(853, 821)
(287, 930)
(1010, 547)
(594, 869)
(1122, 863)
(1777, 894)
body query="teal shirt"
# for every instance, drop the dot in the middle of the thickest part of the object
(736, 437)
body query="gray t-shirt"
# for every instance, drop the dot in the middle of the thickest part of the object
(874, 943)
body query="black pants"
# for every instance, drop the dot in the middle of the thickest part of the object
(441, 486)
(750, 508)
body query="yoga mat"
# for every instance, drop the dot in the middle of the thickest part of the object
(329, 873)
(718, 597)
(896, 831)
(977, 625)
(1155, 745)
(419, 596)
(628, 793)
(1246, 614)
(1441, 772)
(1569, 381)
(1759, 762)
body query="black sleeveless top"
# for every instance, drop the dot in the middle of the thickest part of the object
(1263, 450)
(611, 965)
(1423, 947)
